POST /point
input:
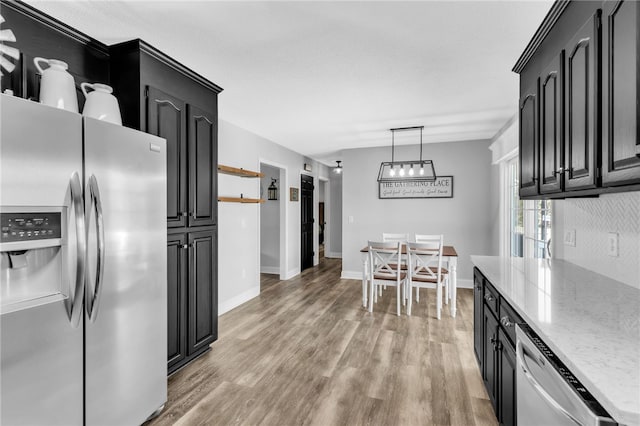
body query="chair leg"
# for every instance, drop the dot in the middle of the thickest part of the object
(398, 299)
(417, 294)
(438, 299)
(446, 291)
(371, 294)
(409, 295)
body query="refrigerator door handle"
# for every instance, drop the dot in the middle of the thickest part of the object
(93, 301)
(81, 252)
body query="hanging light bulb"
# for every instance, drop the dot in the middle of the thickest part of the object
(392, 172)
(401, 169)
(421, 169)
(411, 171)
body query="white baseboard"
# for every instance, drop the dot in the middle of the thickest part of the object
(333, 254)
(270, 270)
(238, 300)
(351, 275)
(292, 273)
(465, 283)
(357, 275)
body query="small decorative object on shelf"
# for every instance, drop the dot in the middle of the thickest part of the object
(272, 190)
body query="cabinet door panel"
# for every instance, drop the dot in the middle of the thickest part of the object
(203, 303)
(166, 117)
(581, 124)
(203, 167)
(621, 90)
(529, 142)
(507, 382)
(551, 136)
(176, 298)
(478, 319)
(490, 376)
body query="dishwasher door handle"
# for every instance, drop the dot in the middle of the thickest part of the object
(522, 363)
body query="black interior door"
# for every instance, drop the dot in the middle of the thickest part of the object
(177, 269)
(306, 217)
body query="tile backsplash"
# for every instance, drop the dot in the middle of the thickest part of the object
(593, 219)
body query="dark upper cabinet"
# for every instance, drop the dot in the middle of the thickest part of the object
(203, 298)
(162, 97)
(529, 141)
(177, 281)
(478, 317)
(581, 116)
(166, 117)
(203, 166)
(551, 131)
(620, 93)
(586, 58)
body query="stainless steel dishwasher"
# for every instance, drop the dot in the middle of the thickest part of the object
(547, 392)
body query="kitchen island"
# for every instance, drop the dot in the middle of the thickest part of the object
(590, 321)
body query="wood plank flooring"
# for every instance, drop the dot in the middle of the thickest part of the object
(306, 352)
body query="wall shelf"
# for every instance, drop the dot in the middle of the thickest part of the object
(240, 200)
(239, 172)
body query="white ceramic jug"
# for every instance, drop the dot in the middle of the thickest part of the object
(100, 103)
(57, 87)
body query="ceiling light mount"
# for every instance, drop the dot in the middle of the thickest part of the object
(405, 173)
(338, 169)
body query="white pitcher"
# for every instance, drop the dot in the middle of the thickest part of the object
(100, 103)
(57, 87)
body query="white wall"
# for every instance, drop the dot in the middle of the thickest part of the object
(269, 223)
(593, 219)
(465, 220)
(334, 218)
(238, 224)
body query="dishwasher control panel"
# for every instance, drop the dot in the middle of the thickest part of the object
(566, 374)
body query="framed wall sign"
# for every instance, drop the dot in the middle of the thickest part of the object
(442, 187)
(293, 194)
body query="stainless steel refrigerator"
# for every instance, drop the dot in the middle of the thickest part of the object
(83, 328)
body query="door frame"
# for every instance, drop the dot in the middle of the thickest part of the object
(322, 180)
(284, 216)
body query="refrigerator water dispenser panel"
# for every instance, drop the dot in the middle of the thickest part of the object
(30, 226)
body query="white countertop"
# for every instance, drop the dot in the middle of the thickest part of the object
(590, 321)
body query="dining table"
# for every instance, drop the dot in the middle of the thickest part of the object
(449, 260)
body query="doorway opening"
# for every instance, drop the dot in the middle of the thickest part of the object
(273, 221)
(306, 222)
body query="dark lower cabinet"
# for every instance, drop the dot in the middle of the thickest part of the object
(192, 302)
(490, 375)
(177, 280)
(478, 318)
(507, 380)
(203, 303)
(494, 348)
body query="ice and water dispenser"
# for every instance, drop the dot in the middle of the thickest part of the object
(33, 256)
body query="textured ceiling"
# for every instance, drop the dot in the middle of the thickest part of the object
(319, 77)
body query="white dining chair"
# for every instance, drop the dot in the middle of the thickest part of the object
(425, 271)
(382, 255)
(427, 238)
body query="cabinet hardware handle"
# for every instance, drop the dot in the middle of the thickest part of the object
(506, 321)
(488, 298)
(164, 101)
(202, 117)
(183, 214)
(184, 246)
(478, 287)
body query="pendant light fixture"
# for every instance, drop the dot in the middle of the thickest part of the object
(338, 169)
(406, 171)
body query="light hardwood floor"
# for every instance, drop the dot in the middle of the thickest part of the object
(306, 352)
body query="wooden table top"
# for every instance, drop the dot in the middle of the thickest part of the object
(446, 250)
